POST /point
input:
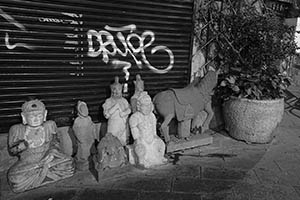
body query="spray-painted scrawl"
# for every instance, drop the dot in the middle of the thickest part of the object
(104, 39)
(11, 20)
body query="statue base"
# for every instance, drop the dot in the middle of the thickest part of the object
(184, 128)
(114, 172)
(82, 165)
(131, 154)
(193, 141)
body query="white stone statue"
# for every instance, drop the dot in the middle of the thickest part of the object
(139, 88)
(85, 132)
(198, 64)
(148, 147)
(116, 109)
(35, 144)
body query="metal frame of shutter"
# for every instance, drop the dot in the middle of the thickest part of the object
(44, 45)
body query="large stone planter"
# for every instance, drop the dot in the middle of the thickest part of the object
(252, 121)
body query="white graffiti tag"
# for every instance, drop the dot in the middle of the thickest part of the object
(11, 20)
(105, 39)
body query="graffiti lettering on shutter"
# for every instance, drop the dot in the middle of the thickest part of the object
(105, 39)
(60, 21)
(11, 20)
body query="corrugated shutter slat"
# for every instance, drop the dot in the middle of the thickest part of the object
(45, 51)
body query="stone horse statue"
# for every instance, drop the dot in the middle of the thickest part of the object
(186, 105)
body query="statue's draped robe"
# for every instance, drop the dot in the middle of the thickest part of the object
(149, 147)
(85, 132)
(117, 125)
(41, 162)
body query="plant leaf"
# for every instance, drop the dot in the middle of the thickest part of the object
(231, 79)
(236, 88)
(223, 83)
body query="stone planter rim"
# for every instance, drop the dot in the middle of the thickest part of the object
(254, 100)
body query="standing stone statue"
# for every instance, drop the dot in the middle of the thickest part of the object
(85, 132)
(116, 109)
(198, 64)
(35, 143)
(139, 88)
(148, 147)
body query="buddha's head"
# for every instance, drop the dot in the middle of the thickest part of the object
(34, 113)
(116, 88)
(144, 103)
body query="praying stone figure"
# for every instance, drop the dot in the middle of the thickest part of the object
(85, 132)
(148, 147)
(116, 109)
(139, 88)
(35, 143)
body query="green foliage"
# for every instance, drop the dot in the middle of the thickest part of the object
(252, 46)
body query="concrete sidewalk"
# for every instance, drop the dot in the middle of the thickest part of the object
(227, 169)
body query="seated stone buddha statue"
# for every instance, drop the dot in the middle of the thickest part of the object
(35, 144)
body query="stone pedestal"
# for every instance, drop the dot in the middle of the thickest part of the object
(114, 172)
(82, 165)
(184, 128)
(132, 158)
(194, 141)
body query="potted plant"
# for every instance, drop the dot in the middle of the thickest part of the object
(252, 46)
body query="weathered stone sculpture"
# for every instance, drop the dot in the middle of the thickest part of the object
(186, 105)
(116, 109)
(148, 147)
(85, 132)
(198, 63)
(111, 153)
(34, 142)
(139, 88)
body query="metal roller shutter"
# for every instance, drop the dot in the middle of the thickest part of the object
(62, 51)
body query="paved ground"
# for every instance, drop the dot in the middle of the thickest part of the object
(227, 169)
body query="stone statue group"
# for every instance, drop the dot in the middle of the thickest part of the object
(35, 141)
(148, 149)
(41, 161)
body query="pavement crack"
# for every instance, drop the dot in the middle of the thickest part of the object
(281, 170)
(172, 184)
(257, 177)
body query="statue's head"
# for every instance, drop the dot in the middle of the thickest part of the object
(144, 103)
(34, 113)
(138, 83)
(116, 88)
(82, 109)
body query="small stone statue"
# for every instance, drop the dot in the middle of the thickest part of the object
(148, 147)
(198, 63)
(111, 153)
(116, 109)
(35, 143)
(85, 132)
(139, 88)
